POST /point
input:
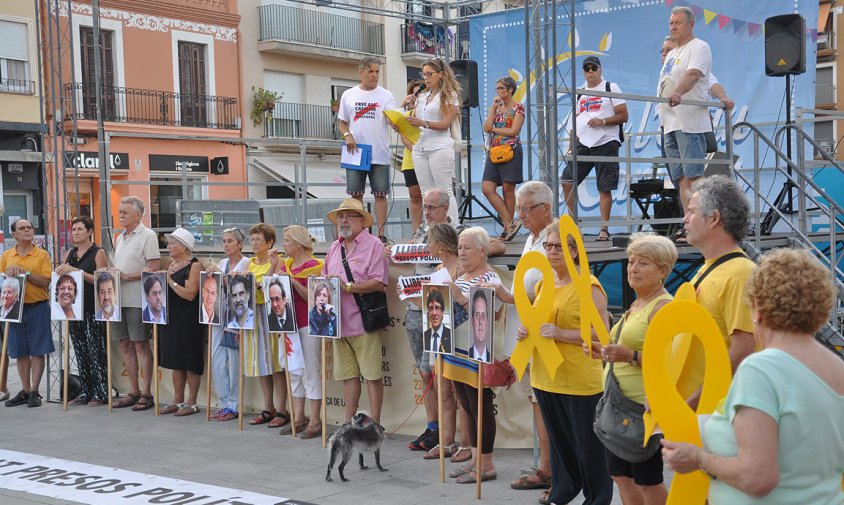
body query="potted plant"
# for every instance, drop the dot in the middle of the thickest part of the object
(263, 103)
(335, 105)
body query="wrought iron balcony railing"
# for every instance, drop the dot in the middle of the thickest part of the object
(299, 120)
(153, 107)
(17, 86)
(426, 38)
(321, 29)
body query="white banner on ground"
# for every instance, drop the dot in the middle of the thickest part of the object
(98, 485)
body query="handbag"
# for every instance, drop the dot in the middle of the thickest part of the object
(501, 154)
(499, 374)
(711, 141)
(618, 422)
(373, 306)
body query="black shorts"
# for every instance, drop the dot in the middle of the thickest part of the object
(410, 179)
(606, 171)
(646, 473)
(505, 172)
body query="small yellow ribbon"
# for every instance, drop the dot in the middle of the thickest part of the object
(683, 318)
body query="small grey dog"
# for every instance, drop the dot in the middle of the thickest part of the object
(362, 434)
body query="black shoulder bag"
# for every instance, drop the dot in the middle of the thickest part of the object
(720, 261)
(373, 306)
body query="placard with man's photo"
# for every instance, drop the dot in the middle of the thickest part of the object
(12, 291)
(210, 298)
(324, 303)
(66, 295)
(278, 296)
(107, 295)
(154, 297)
(436, 319)
(481, 314)
(240, 313)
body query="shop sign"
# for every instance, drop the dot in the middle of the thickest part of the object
(175, 163)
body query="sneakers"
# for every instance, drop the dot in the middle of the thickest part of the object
(19, 399)
(431, 441)
(415, 445)
(34, 399)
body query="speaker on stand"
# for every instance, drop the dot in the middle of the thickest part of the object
(466, 73)
(785, 55)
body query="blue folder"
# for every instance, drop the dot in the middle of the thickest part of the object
(365, 159)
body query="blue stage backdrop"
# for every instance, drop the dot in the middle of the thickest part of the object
(627, 36)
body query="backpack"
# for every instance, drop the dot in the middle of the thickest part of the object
(620, 125)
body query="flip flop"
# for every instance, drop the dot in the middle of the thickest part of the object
(434, 453)
(471, 477)
(461, 455)
(603, 238)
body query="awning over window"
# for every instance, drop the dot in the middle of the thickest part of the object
(823, 15)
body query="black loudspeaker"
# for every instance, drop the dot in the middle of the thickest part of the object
(785, 45)
(466, 72)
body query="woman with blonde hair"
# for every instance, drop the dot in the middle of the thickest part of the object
(778, 438)
(300, 264)
(436, 109)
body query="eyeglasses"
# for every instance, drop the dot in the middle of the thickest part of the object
(553, 246)
(499, 88)
(525, 210)
(426, 74)
(431, 207)
(590, 68)
(348, 217)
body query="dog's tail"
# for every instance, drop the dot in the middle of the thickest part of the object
(330, 444)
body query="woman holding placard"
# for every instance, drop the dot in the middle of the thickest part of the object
(568, 399)
(778, 438)
(88, 336)
(472, 249)
(650, 259)
(298, 246)
(181, 344)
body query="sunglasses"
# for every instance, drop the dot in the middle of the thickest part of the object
(590, 68)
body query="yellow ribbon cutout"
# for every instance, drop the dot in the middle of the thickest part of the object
(677, 420)
(589, 316)
(535, 315)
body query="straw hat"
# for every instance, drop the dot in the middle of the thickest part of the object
(183, 237)
(354, 205)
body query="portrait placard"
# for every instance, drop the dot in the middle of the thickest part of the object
(107, 295)
(12, 290)
(481, 314)
(66, 295)
(240, 314)
(154, 297)
(278, 295)
(436, 319)
(324, 303)
(210, 297)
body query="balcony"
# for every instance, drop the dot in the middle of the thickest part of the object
(153, 107)
(825, 97)
(17, 86)
(826, 45)
(301, 121)
(422, 41)
(291, 30)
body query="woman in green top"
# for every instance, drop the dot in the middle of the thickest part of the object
(778, 439)
(650, 259)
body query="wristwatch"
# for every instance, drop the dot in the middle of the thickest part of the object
(634, 361)
(349, 287)
(346, 135)
(427, 124)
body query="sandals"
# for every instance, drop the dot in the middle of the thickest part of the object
(535, 480)
(287, 429)
(310, 433)
(264, 417)
(226, 415)
(461, 471)
(545, 497)
(510, 231)
(145, 402)
(126, 401)
(279, 420)
(603, 236)
(79, 400)
(96, 402)
(186, 409)
(471, 477)
(170, 408)
(434, 453)
(461, 455)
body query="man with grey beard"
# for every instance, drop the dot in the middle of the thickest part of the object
(242, 317)
(357, 352)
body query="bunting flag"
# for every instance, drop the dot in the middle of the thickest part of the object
(708, 15)
(723, 21)
(739, 25)
(753, 28)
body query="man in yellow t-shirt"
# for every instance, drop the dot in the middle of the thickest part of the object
(716, 221)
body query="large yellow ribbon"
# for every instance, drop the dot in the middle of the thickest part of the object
(683, 318)
(589, 316)
(535, 315)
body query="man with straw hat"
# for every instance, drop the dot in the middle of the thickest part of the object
(358, 352)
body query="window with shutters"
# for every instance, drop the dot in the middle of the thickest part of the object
(14, 58)
(193, 90)
(109, 91)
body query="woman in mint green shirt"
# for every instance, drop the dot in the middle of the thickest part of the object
(779, 436)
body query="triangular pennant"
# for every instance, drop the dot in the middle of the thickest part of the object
(668, 3)
(696, 10)
(752, 28)
(709, 15)
(723, 21)
(814, 34)
(738, 24)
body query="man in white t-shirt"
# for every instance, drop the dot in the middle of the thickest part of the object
(599, 121)
(685, 75)
(362, 121)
